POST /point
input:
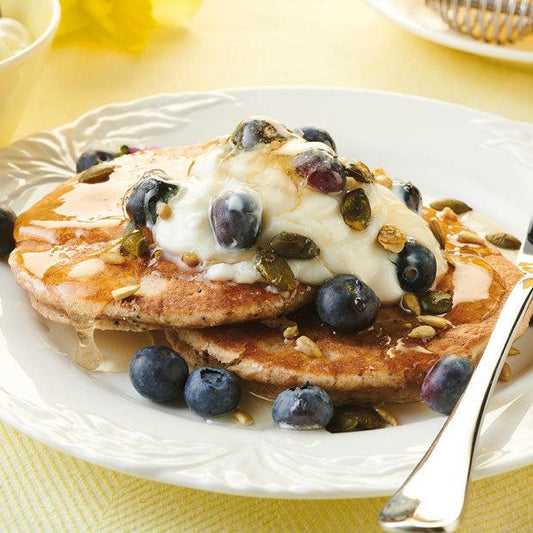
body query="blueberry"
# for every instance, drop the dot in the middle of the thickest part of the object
(321, 170)
(312, 134)
(7, 226)
(416, 267)
(91, 158)
(158, 373)
(212, 391)
(445, 382)
(307, 407)
(236, 219)
(408, 194)
(346, 303)
(142, 203)
(253, 131)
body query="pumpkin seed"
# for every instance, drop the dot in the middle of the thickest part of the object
(457, 206)
(125, 292)
(243, 417)
(514, 351)
(291, 332)
(504, 240)
(96, 174)
(469, 237)
(434, 321)
(190, 259)
(355, 209)
(385, 415)
(422, 332)
(358, 170)
(308, 346)
(134, 242)
(435, 302)
(391, 238)
(354, 417)
(410, 303)
(275, 270)
(436, 229)
(294, 246)
(505, 374)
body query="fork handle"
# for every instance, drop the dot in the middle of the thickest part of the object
(433, 497)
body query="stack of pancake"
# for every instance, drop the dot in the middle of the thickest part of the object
(68, 261)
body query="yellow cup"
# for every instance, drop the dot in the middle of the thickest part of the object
(19, 73)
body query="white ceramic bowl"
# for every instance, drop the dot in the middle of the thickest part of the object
(19, 73)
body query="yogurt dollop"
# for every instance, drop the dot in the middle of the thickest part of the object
(287, 206)
(13, 37)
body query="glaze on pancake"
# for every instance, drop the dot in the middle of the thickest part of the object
(378, 364)
(61, 245)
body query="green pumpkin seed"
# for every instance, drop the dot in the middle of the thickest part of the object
(275, 270)
(355, 209)
(96, 174)
(436, 229)
(385, 415)
(354, 418)
(435, 302)
(134, 242)
(358, 170)
(457, 206)
(504, 240)
(294, 246)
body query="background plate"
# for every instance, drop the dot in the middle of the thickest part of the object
(416, 17)
(446, 150)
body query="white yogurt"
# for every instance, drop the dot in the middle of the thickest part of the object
(13, 37)
(285, 208)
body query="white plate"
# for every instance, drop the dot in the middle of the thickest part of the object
(416, 17)
(447, 150)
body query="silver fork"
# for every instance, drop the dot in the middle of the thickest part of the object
(500, 21)
(433, 497)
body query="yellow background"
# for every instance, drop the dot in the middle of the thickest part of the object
(235, 43)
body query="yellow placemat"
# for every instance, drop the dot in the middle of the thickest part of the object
(241, 43)
(41, 489)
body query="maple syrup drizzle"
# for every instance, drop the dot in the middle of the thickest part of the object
(88, 355)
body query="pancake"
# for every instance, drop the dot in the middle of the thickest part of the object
(379, 364)
(62, 260)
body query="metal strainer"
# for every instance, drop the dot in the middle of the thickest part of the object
(493, 21)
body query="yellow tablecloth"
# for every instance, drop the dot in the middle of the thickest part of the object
(242, 43)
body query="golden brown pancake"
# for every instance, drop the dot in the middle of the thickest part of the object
(379, 364)
(61, 260)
